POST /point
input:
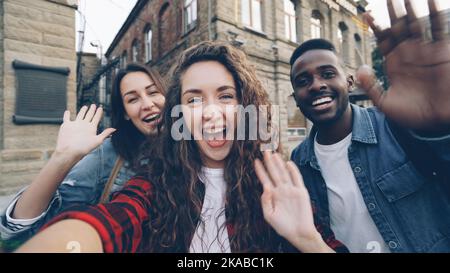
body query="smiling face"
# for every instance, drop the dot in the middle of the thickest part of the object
(142, 101)
(320, 86)
(208, 97)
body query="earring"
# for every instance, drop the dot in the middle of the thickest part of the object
(127, 117)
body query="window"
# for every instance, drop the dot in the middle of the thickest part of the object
(135, 51)
(41, 95)
(358, 50)
(164, 29)
(316, 25)
(148, 44)
(251, 13)
(190, 14)
(289, 20)
(344, 42)
(340, 37)
(124, 59)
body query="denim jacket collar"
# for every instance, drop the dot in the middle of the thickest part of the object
(362, 131)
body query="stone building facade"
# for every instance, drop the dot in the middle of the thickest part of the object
(157, 31)
(40, 32)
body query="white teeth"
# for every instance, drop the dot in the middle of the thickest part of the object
(152, 117)
(214, 131)
(321, 100)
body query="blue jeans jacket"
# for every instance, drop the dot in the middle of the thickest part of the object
(84, 184)
(411, 209)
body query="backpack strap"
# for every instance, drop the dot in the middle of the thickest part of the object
(112, 177)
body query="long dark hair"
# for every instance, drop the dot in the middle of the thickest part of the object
(127, 139)
(174, 166)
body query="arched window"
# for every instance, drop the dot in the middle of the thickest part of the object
(135, 51)
(190, 14)
(344, 42)
(358, 50)
(289, 20)
(316, 25)
(148, 43)
(124, 59)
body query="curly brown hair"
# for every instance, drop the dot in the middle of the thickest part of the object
(173, 166)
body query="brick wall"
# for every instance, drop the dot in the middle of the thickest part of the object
(1, 75)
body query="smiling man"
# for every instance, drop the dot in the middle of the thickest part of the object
(379, 176)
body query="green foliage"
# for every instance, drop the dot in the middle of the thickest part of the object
(379, 67)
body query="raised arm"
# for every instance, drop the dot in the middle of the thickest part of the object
(75, 140)
(119, 226)
(417, 68)
(286, 205)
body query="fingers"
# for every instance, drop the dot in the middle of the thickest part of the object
(414, 26)
(437, 21)
(399, 25)
(283, 174)
(98, 116)
(262, 175)
(106, 133)
(66, 116)
(392, 14)
(385, 39)
(369, 83)
(90, 113)
(410, 13)
(372, 24)
(296, 177)
(271, 168)
(276, 168)
(82, 113)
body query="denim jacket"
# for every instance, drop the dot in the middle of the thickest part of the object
(84, 184)
(411, 209)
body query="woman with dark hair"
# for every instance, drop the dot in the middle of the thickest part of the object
(209, 194)
(83, 162)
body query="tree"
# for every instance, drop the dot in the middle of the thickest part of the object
(378, 66)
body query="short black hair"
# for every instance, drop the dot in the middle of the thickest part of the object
(311, 45)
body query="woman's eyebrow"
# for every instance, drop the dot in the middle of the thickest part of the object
(194, 91)
(225, 87)
(129, 93)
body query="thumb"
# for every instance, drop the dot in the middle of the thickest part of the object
(106, 133)
(367, 81)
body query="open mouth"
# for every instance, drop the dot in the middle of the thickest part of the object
(215, 137)
(151, 118)
(214, 133)
(322, 103)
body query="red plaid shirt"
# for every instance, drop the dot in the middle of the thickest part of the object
(123, 223)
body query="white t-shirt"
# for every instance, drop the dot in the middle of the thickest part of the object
(349, 217)
(212, 237)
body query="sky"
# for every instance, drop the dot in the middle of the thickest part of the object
(105, 17)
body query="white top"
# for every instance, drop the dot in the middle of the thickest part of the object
(349, 217)
(211, 235)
